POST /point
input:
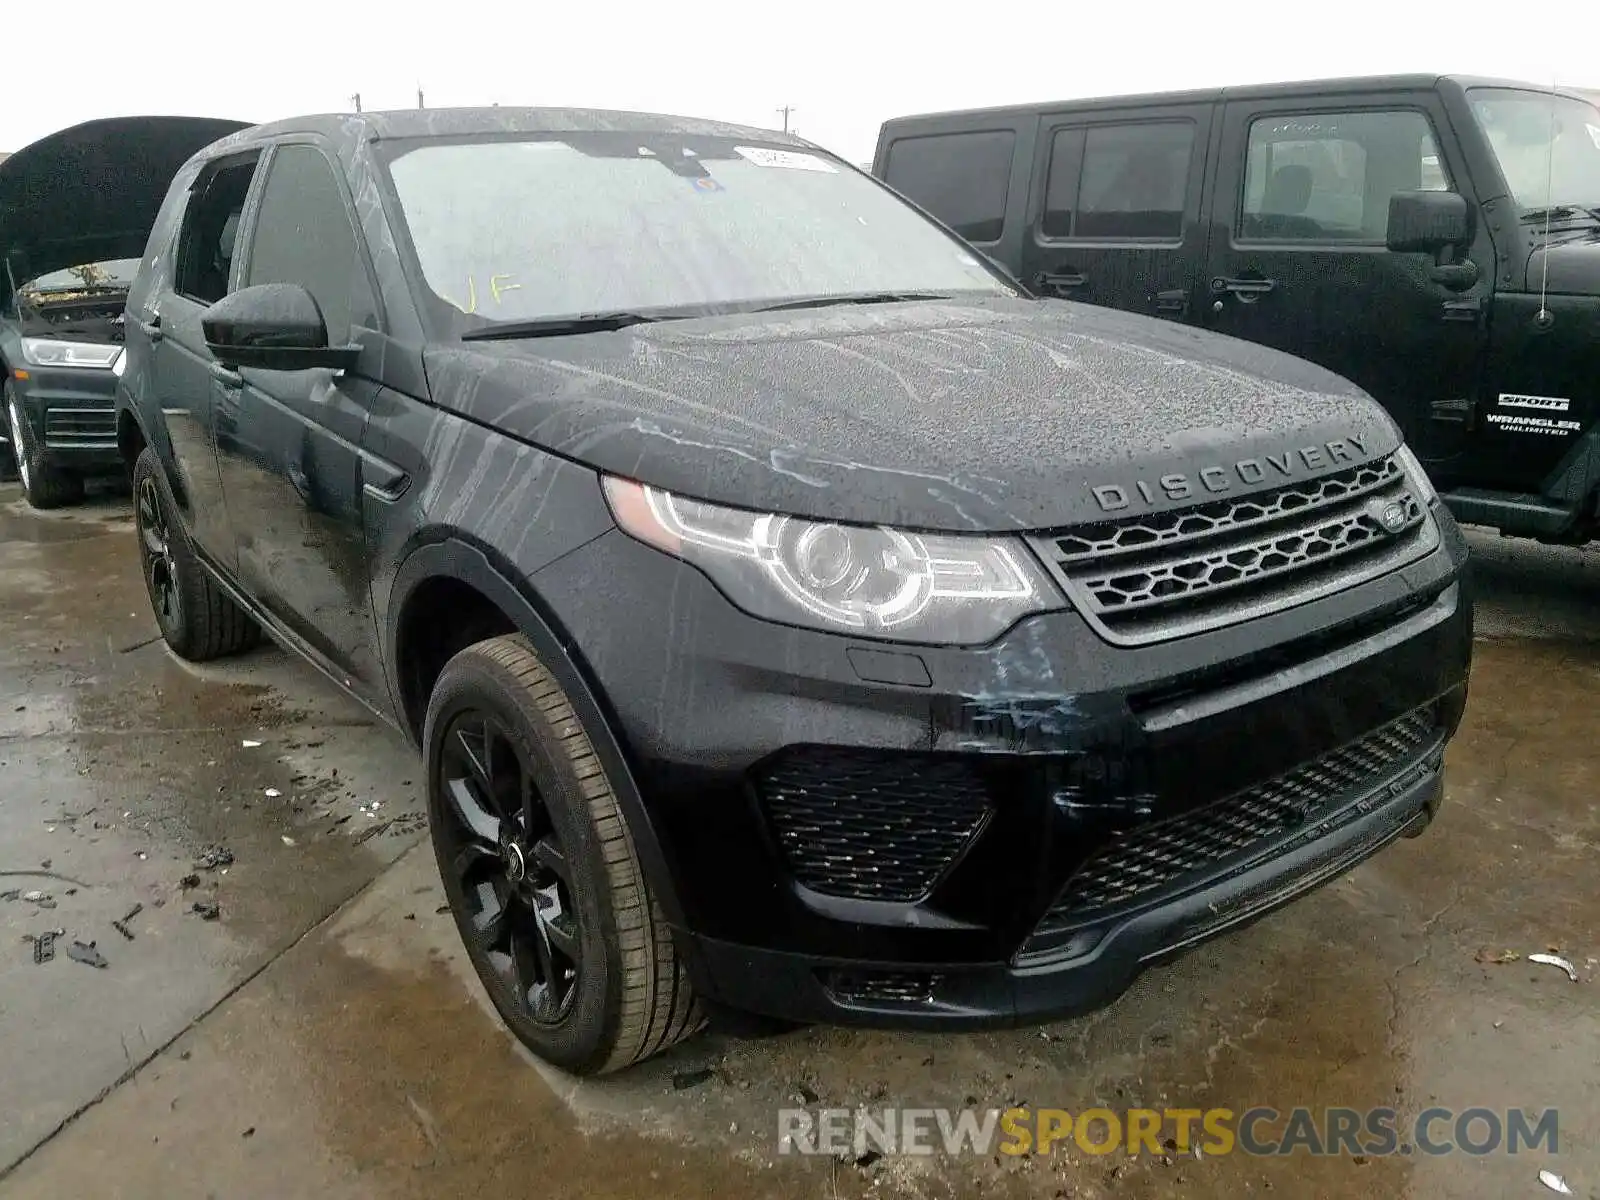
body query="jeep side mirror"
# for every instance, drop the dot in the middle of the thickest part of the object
(1428, 222)
(273, 327)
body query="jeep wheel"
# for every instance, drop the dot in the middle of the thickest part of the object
(44, 486)
(540, 869)
(197, 618)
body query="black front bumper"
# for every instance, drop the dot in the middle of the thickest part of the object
(932, 837)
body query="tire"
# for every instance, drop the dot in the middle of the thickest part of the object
(198, 620)
(573, 949)
(44, 486)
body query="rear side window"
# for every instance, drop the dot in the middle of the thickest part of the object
(1329, 176)
(1119, 182)
(210, 227)
(963, 179)
(304, 235)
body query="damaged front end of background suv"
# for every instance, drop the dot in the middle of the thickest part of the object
(75, 210)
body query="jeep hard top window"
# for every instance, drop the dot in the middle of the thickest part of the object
(1548, 148)
(529, 229)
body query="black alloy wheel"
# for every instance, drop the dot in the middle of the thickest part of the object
(155, 554)
(508, 868)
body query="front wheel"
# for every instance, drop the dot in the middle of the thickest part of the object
(43, 485)
(197, 618)
(541, 871)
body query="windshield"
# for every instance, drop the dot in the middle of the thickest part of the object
(113, 273)
(1548, 146)
(529, 228)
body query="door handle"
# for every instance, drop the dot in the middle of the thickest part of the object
(227, 377)
(1248, 290)
(1051, 281)
(1175, 300)
(152, 328)
(1457, 277)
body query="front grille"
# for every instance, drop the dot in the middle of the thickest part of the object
(882, 987)
(1166, 575)
(1153, 858)
(872, 826)
(69, 427)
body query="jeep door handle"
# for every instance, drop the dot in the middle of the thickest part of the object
(227, 378)
(152, 329)
(1247, 290)
(1059, 282)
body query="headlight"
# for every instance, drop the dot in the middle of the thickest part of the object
(1418, 475)
(874, 581)
(51, 352)
(120, 363)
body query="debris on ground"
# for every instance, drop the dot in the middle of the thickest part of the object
(272, 793)
(122, 925)
(1555, 960)
(86, 953)
(287, 840)
(372, 831)
(42, 899)
(683, 1080)
(250, 745)
(209, 910)
(1554, 1182)
(44, 945)
(213, 857)
(189, 881)
(1486, 955)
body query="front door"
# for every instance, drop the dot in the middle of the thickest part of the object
(1115, 215)
(183, 368)
(1298, 258)
(288, 440)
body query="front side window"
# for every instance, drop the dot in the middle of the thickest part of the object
(1329, 176)
(1548, 146)
(210, 227)
(303, 235)
(527, 228)
(1119, 182)
(961, 178)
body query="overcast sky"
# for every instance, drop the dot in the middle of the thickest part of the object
(844, 67)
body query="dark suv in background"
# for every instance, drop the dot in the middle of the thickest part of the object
(1435, 239)
(75, 211)
(795, 618)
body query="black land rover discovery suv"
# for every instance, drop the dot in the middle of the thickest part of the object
(795, 618)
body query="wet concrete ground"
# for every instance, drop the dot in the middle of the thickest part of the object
(324, 1035)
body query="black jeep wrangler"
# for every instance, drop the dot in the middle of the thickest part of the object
(1434, 239)
(795, 617)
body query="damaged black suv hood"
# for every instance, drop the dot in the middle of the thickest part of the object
(987, 416)
(91, 193)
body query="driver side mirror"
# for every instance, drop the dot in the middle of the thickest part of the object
(273, 327)
(1428, 222)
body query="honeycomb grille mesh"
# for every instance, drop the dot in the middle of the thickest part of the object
(872, 826)
(1147, 860)
(1169, 574)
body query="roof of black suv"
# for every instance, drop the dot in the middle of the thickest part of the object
(465, 122)
(1253, 91)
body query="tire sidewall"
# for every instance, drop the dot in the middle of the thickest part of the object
(586, 1036)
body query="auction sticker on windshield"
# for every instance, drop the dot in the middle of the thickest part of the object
(788, 159)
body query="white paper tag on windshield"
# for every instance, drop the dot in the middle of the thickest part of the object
(790, 160)
(1594, 135)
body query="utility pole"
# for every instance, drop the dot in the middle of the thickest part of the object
(357, 100)
(419, 97)
(785, 110)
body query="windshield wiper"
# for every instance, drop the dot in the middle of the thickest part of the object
(600, 322)
(1559, 212)
(852, 298)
